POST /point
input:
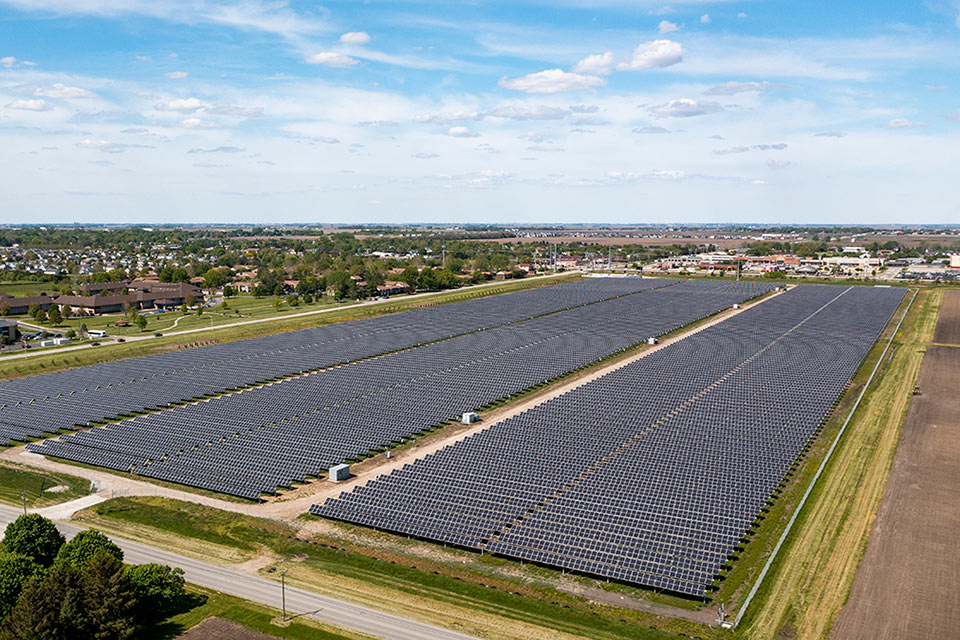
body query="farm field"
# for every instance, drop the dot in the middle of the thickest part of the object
(906, 584)
(810, 581)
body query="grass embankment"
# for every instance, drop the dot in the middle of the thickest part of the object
(35, 485)
(448, 593)
(203, 603)
(54, 361)
(813, 574)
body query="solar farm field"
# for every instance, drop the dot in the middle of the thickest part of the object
(48, 403)
(654, 473)
(257, 440)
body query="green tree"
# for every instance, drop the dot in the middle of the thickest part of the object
(83, 329)
(54, 316)
(34, 536)
(228, 292)
(109, 598)
(41, 316)
(410, 276)
(15, 570)
(307, 298)
(50, 608)
(141, 322)
(85, 545)
(158, 588)
(4, 308)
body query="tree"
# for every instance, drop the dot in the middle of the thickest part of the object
(34, 536)
(83, 329)
(70, 334)
(141, 322)
(307, 298)
(109, 598)
(15, 570)
(4, 308)
(54, 315)
(410, 276)
(158, 588)
(258, 291)
(228, 292)
(41, 316)
(85, 545)
(50, 608)
(278, 290)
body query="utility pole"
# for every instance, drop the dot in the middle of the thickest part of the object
(283, 593)
(610, 259)
(23, 496)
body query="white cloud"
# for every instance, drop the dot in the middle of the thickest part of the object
(903, 123)
(29, 105)
(180, 105)
(650, 129)
(666, 26)
(355, 37)
(598, 64)
(461, 132)
(8, 62)
(447, 118)
(525, 112)
(552, 81)
(731, 88)
(830, 134)
(584, 108)
(331, 59)
(196, 123)
(425, 155)
(220, 149)
(684, 108)
(176, 75)
(741, 15)
(955, 115)
(109, 147)
(377, 123)
(935, 87)
(58, 90)
(535, 137)
(705, 19)
(655, 54)
(778, 164)
(780, 146)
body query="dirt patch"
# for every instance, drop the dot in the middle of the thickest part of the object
(220, 629)
(906, 585)
(60, 488)
(948, 326)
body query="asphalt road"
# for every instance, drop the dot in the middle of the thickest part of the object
(267, 592)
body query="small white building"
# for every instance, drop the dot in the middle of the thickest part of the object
(338, 473)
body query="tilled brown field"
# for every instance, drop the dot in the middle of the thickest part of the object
(220, 629)
(948, 325)
(907, 582)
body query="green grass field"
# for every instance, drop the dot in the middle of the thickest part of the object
(204, 603)
(34, 484)
(27, 288)
(436, 592)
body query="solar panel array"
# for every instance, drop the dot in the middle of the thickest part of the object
(260, 439)
(653, 473)
(62, 400)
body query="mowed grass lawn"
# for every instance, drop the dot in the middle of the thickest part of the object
(813, 574)
(203, 603)
(409, 586)
(34, 484)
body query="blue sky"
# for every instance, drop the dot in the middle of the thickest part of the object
(545, 111)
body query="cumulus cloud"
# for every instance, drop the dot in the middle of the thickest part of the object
(780, 146)
(590, 121)
(29, 105)
(447, 118)
(234, 111)
(684, 108)
(546, 148)
(903, 123)
(180, 105)
(741, 15)
(355, 37)
(59, 90)
(666, 26)
(705, 19)
(778, 164)
(196, 123)
(377, 123)
(534, 136)
(650, 129)
(731, 150)
(176, 75)
(652, 55)
(598, 64)
(461, 132)
(221, 149)
(331, 59)
(425, 155)
(731, 88)
(830, 134)
(8, 62)
(552, 81)
(525, 112)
